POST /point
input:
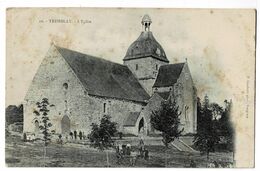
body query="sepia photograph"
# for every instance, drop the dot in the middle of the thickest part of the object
(130, 87)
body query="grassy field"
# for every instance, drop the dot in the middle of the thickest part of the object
(26, 154)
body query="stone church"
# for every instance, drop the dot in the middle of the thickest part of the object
(82, 88)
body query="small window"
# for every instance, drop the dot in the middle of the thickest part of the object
(65, 86)
(104, 108)
(136, 67)
(158, 52)
(156, 66)
(36, 126)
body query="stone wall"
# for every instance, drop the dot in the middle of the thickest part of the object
(146, 71)
(74, 101)
(153, 105)
(147, 84)
(185, 93)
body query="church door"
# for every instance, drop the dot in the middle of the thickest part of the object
(65, 125)
(141, 126)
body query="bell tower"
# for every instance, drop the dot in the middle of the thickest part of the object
(146, 22)
(145, 56)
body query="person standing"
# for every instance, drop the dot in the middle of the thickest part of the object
(80, 135)
(141, 148)
(75, 135)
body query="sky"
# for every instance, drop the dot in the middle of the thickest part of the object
(218, 44)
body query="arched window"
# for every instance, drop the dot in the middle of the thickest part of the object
(36, 127)
(65, 86)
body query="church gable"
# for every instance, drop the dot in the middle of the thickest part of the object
(186, 97)
(56, 81)
(53, 74)
(186, 75)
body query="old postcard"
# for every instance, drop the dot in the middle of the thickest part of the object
(126, 87)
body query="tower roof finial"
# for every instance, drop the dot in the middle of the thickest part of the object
(146, 22)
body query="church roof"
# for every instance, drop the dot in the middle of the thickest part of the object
(145, 46)
(104, 78)
(168, 75)
(131, 119)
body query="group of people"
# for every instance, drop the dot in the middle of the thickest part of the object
(126, 151)
(74, 135)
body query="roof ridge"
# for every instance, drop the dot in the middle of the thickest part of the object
(92, 56)
(174, 64)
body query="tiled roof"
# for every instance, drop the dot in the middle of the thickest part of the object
(131, 119)
(104, 78)
(168, 75)
(146, 46)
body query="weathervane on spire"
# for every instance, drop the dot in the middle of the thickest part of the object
(146, 22)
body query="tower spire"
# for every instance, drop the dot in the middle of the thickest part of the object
(146, 22)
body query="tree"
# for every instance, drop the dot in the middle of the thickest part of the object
(207, 136)
(167, 121)
(14, 114)
(101, 135)
(226, 126)
(43, 113)
(199, 114)
(217, 111)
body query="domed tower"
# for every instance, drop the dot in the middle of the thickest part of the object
(145, 56)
